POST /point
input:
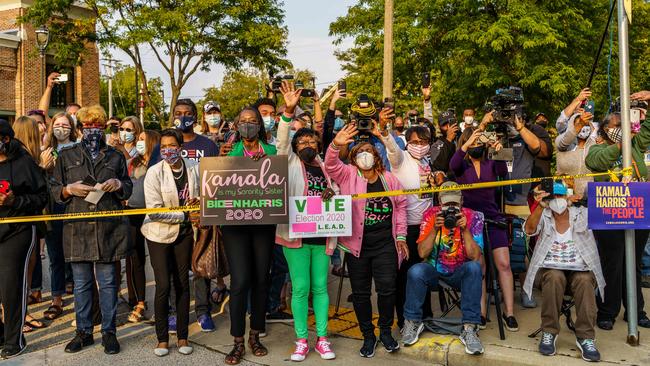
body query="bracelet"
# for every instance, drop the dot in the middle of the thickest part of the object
(333, 146)
(519, 129)
(286, 118)
(401, 237)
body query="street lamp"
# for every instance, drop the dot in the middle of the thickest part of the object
(42, 39)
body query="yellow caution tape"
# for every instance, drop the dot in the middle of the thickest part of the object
(149, 211)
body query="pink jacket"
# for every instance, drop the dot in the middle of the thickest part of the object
(351, 182)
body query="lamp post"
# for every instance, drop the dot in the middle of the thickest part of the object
(42, 40)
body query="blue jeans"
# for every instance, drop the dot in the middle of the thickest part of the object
(645, 260)
(54, 244)
(279, 271)
(423, 277)
(83, 295)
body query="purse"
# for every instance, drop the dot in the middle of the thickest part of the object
(208, 256)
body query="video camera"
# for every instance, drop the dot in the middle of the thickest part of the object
(507, 103)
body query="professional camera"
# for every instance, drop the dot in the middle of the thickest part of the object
(277, 81)
(451, 214)
(507, 103)
(447, 117)
(634, 104)
(364, 112)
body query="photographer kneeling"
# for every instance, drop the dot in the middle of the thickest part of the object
(566, 254)
(451, 242)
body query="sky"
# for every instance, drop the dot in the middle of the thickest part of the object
(309, 47)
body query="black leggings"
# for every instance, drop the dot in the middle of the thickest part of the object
(382, 266)
(412, 235)
(135, 273)
(172, 260)
(248, 249)
(14, 260)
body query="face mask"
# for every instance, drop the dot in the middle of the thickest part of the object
(468, 120)
(214, 120)
(127, 136)
(615, 135)
(91, 138)
(476, 152)
(170, 154)
(185, 123)
(248, 130)
(338, 123)
(269, 123)
(558, 205)
(418, 151)
(113, 128)
(365, 160)
(141, 147)
(307, 154)
(61, 133)
(585, 132)
(292, 133)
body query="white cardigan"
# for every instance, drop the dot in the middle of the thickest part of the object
(160, 191)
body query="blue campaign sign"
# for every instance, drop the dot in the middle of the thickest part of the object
(617, 206)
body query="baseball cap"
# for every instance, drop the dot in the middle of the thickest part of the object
(540, 114)
(446, 197)
(207, 107)
(6, 129)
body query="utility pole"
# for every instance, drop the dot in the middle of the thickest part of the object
(388, 49)
(110, 63)
(630, 260)
(141, 103)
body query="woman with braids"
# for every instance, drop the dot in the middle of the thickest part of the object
(378, 242)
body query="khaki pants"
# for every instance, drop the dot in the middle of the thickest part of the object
(582, 285)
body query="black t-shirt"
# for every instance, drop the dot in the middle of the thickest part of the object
(378, 221)
(316, 184)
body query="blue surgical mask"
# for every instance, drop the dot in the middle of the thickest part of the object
(185, 123)
(127, 136)
(214, 120)
(292, 133)
(269, 123)
(338, 123)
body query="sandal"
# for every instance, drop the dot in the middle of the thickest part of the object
(137, 316)
(235, 356)
(218, 295)
(258, 348)
(31, 325)
(53, 312)
(34, 298)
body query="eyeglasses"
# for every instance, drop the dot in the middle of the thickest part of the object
(307, 143)
(126, 129)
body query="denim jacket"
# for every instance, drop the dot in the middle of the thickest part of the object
(101, 239)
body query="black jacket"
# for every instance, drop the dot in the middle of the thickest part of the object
(441, 152)
(101, 239)
(27, 182)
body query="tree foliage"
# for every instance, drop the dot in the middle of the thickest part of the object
(472, 47)
(125, 95)
(183, 36)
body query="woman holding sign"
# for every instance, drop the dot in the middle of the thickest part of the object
(378, 241)
(248, 249)
(308, 258)
(173, 182)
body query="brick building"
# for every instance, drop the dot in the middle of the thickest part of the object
(22, 73)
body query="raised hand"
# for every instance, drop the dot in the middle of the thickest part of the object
(426, 93)
(291, 96)
(475, 135)
(346, 135)
(642, 95)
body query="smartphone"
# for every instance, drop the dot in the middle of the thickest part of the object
(89, 181)
(62, 78)
(389, 103)
(343, 87)
(590, 107)
(635, 116)
(547, 186)
(426, 79)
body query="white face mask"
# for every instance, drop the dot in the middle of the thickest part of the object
(468, 119)
(558, 205)
(213, 120)
(127, 136)
(585, 132)
(141, 146)
(365, 160)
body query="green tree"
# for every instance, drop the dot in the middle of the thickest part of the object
(472, 47)
(183, 36)
(125, 96)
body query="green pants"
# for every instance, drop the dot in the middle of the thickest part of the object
(308, 267)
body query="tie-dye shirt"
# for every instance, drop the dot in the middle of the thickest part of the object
(449, 251)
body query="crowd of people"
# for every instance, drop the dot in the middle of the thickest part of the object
(82, 160)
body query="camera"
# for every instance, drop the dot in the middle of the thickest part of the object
(364, 113)
(305, 93)
(505, 154)
(447, 117)
(507, 103)
(277, 81)
(451, 215)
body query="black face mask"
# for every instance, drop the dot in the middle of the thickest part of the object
(399, 128)
(307, 154)
(476, 152)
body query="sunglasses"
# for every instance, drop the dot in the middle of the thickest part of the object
(126, 129)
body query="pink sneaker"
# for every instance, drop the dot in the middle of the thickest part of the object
(302, 349)
(323, 347)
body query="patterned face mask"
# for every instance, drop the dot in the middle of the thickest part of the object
(91, 139)
(170, 154)
(615, 135)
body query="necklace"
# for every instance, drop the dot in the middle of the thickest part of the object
(175, 172)
(248, 153)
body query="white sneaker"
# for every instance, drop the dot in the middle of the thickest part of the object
(161, 352)
(185, 350)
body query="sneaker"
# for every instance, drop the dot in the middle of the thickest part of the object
(528, 302)
(324, 349)
(390, 344)
(171, 324)
(80, 340)
(11, 352)
(301, 351)
(511, 323)
(110, 343)
(588, 349)
(411, 332)
(547, 344)
(369, 346)
(206, 323)
(483, 324)
(469, 338)
(279, 317)
(185, 350)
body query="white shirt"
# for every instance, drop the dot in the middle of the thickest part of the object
(564, 255)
